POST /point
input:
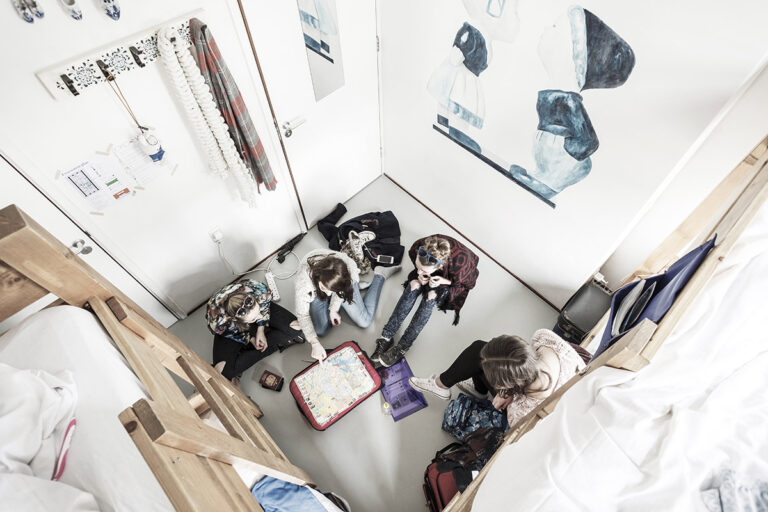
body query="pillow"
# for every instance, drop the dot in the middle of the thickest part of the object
(37, 412)
(33, 494)
(637, 308)
(626, 304)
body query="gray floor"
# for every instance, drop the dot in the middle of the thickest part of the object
(375, 463)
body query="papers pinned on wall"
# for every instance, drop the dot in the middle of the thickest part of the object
(97, 182)
(107, 177)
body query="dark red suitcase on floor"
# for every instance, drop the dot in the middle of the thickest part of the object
(361, 378)
(439, 487)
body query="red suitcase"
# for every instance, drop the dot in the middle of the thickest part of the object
(326, 393)
(439, 487)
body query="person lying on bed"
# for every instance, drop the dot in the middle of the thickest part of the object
(328, 281)
(519, 375)
(247, 327)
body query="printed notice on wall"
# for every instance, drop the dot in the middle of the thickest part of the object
(98, 182)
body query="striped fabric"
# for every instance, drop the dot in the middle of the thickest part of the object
(230, 101)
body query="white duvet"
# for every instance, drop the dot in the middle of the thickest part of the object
(653, 440)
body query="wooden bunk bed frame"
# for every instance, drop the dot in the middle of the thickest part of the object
(726, 211)
(192, 461)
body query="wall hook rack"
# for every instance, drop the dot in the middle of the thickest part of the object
(75, 76)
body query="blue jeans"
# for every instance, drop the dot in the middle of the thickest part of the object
(361, 311)
(419, 320)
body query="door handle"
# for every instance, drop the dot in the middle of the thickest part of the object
(291, 125)
(79, 247)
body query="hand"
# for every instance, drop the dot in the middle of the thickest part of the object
(423, 278)
(436, 281)
(318, 352)
(335, 318)
(260, 341)
(415, 285)
(500, 403)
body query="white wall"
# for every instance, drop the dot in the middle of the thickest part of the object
(691, 58)
(743, 126)
(162, 234)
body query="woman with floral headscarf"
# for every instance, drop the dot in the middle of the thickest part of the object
(246, 327)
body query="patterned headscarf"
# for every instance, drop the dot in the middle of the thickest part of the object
(219, 321)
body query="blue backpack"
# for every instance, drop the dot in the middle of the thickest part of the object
(468, 414)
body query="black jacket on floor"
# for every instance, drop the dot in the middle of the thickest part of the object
(383, 224)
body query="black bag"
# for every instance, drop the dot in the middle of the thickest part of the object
(451, 470)
(384, 249)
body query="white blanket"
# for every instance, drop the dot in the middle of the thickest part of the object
(37, 411)
(652, 440)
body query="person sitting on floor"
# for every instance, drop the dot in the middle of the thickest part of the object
(445, 270)
(328, 281)
(247, 327)
(519, 375)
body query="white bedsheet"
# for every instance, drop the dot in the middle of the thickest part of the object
(652, 440)
(102, 459)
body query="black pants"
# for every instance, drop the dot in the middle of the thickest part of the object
(241, 356)
(467, 366)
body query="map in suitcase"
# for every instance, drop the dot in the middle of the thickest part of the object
(325, 393)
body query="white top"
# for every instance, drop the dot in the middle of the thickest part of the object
(570, 364)
(306, 293)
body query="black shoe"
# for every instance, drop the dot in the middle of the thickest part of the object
(297, 340)
(382, 345)
(391, 356)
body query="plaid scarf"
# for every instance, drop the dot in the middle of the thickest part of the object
(230, 101)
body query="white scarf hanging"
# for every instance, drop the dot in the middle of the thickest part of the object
(206, 118)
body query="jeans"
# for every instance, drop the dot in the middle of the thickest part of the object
(361, 311)
(467, 366)
(241, 356)
(419, 320)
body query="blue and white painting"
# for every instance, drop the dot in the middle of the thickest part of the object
(579, 52)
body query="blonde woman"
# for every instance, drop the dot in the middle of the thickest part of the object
(444, 272)
(519, 375)
(247, 327)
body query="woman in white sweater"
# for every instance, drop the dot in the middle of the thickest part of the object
(326, 282)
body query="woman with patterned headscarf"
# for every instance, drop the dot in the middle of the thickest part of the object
(247, 327)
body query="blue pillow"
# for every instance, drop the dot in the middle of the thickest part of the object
(668, 286)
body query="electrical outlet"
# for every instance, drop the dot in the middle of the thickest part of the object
(217, 235)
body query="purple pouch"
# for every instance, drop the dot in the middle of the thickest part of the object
(403, 399)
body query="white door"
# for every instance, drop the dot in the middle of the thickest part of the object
(336, 151)
(17, 190)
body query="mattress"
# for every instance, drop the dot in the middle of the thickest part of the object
(102, 459)
(653, 440)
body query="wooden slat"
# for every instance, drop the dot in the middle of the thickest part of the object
(173, 347)
(218, 407)
(32, 251)
(155, 377)
(16, 292)
(253, 427)
(167, 427)
(197, 402)
(181, 475)
(238, 496)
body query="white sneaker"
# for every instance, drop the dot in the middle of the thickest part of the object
(468, 388)
(429, 385)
